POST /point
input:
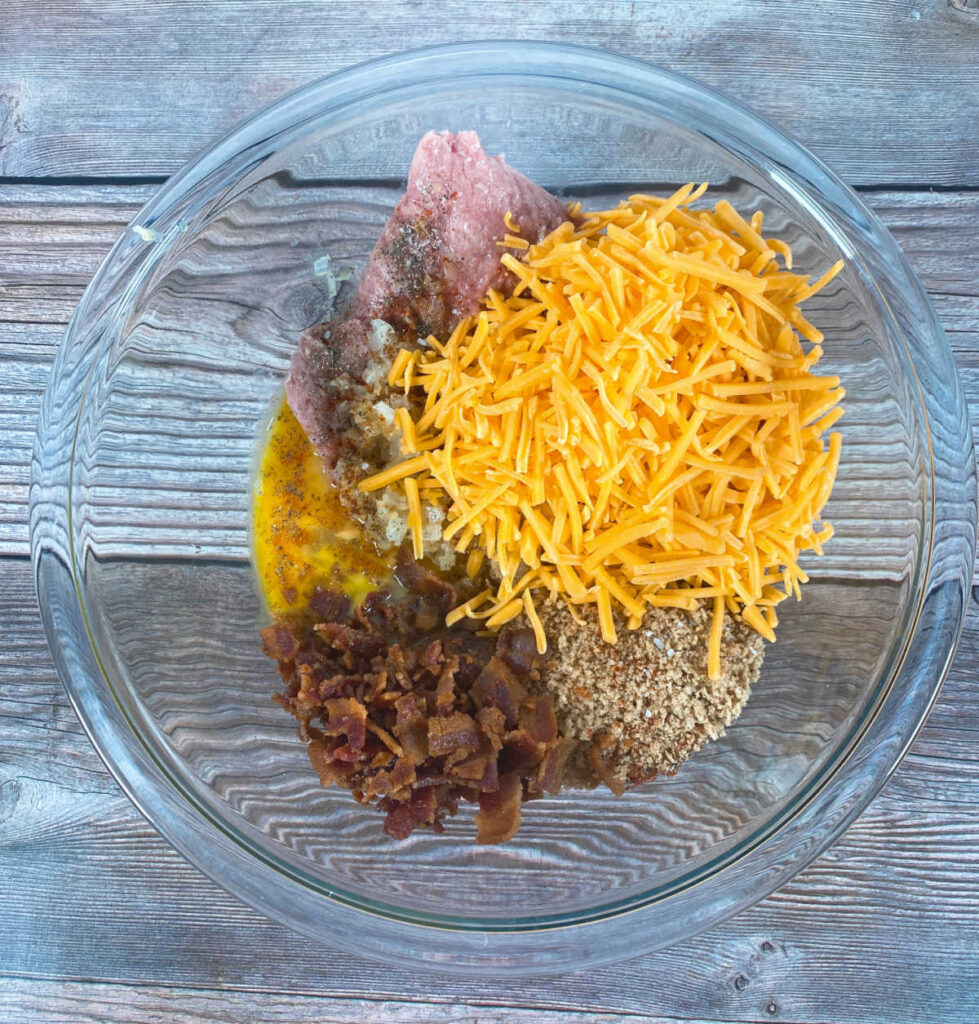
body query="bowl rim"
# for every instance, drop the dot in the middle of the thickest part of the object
(138, 772)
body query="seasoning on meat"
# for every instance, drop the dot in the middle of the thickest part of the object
(435, 260)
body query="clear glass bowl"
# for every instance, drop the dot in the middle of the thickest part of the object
(140, 537)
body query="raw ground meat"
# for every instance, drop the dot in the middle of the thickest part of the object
(433, 264)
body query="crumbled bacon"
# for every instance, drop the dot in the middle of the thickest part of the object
(414, 741)
(347, 638)
(403, 818)
(280, 643)
(346, 716)
(518, 648)
(452, 733)
(552, 768)
(498, 817)
(471, 766)
(492, 721)
(415, 718)
(329, 606)
(538, 718)
(416, 579)
(596, 759)
(385, 737)
(409, 711)
(445, 688)
(497, 686)
(521, 752)
(325, 764)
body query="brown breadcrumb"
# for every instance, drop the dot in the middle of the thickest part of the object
(644, 704)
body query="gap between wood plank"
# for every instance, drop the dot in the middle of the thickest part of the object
(82, 181)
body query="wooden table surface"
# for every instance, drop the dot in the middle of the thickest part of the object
(100, 100)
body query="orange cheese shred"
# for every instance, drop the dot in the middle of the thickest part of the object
(638, 425)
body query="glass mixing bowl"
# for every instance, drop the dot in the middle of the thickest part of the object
(140, 501)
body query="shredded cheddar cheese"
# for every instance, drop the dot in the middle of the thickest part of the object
(638, 425)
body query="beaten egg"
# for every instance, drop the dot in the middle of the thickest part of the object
(302, 538)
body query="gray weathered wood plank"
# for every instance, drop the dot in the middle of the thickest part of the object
(51, 243)
(882, 927)
(886, 92)
(53, 238)
(70, 1002)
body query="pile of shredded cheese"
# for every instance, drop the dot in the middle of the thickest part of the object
(637, 425)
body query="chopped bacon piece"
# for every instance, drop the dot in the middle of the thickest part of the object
(497, 686)
(432, 657)
(521, 753)
(492, 722)
(451, 733)
(390, 782)
(429, 612)
(550, 774)
(327, 768)
(329, 606)
(400, 822)
(402, 774)
(385, 737)
(415, 722)
(479, 769)
(471, 769)
(396, 666)
(346, 638)
(416, 579)
(404, 818)
(279, 642)
(538, 718)
(445, 688)
(340, 685)
(498, 817)
(414, 741)
(518, 648)
(346, 717)
(408, 709)
(602, 770)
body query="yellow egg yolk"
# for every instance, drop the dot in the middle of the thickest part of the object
(302, 538)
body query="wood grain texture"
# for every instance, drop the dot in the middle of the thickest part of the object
(71, 1002)
(52, 239)
(100, 921)
(887, 918)
(81, 874)
(880, 89)
(51, 243)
